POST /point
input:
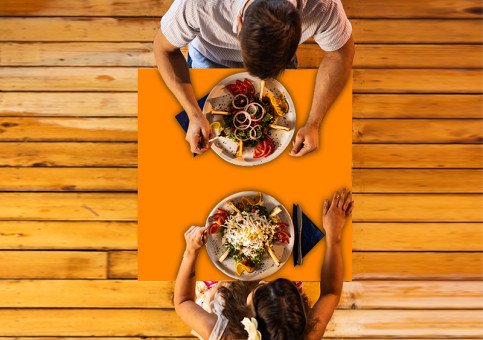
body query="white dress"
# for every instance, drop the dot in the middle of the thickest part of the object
(212, 304)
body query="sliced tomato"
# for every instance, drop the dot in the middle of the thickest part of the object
(218, 218)
(251, 88)
(233, 89)
(270, 146)
(283, 234)
(268, 150)
(281, 226)
(260, 149)
(222, 212)
(242, 86)
(213, 228)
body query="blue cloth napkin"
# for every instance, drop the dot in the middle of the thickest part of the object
(183, 119)
(311, 235)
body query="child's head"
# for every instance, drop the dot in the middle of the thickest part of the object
(280, 310)
(278, 306)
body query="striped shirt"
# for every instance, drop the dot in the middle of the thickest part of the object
(210, 28)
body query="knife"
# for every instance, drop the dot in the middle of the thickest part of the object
(299, 241)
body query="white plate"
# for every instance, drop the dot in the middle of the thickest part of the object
(266, 267)
(219, 98)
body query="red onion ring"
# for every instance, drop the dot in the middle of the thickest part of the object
(242, 124)
(235, 98)
(252, 114)
(254, 128)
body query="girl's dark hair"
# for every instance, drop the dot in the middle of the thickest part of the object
(269, 37)
(235, 295)
(280, 309)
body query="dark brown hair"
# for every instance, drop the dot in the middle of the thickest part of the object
(269, 37)
(280, 309)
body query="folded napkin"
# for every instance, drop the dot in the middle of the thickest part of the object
(311, 235)
(183, 119)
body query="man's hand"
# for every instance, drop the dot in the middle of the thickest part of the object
(306, 141)
(195, 239)
(199, 134)
(334, 217)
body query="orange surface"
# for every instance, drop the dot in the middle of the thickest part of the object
(177, 190)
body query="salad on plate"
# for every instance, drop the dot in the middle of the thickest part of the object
(250, 116)
(248, 231)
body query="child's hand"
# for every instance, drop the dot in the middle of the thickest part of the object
(195, 239)
(334, 217)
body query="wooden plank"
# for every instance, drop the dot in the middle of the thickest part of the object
(403, 294)
(353, 8)
(125, 79)
(94, 294)
(68, 206)
(413, 9)
(379, 31)
(413, 31)
(399, 56)
(68, 154)
(77, 54)
(67, 235)
(160, 338)
(79, 29)
(417, 181)
(417, 156)
(416, 266)
(125, 104)
(68, 129)
(123, 265)
(417, 131)
(418, 208)
(146, 294)
(392, 207)
(68, 104)
(84, 8)
(417, 81)
(91, 322)
(430, 237)
(366, 266)
(67, 79)
(309, 55)
(142, 322)
(153, 337)
(68, 179)
(118, 338)
(52, 265)
(417, 106)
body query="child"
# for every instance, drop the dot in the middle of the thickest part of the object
(264, 310)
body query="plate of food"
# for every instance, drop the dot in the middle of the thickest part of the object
(253, 120)
(250, 235)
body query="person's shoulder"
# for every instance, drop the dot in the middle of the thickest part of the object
(325, 4)
(203, 3)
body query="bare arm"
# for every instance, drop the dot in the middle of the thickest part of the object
(174, 70)
(331, 281)
(334, 70)
(184, 292)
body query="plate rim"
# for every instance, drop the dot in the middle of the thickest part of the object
(291, 132)
(261, 275)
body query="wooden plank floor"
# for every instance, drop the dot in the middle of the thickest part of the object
(68, 161)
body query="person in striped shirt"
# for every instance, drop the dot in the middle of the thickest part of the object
(261, 36)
